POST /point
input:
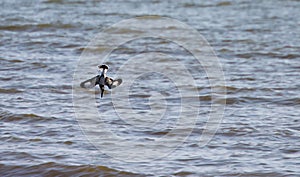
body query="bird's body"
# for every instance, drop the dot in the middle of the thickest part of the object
(102, 77)
(102, 80)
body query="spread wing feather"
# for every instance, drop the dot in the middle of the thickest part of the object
(109, 82)
(112, 83)
(90, 83)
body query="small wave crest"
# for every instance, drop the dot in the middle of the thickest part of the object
(10, 117)
(43, 26)
(55, 169)
(10, 90)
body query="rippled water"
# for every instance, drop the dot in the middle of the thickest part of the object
(258, 46)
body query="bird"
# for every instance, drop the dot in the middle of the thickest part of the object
(102, 80)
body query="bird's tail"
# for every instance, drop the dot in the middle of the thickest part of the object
(102, 90)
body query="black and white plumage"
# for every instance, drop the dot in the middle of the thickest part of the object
(101, 80)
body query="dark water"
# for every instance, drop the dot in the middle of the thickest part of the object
(258, 46)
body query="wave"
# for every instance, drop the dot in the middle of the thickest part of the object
(26, 118)
(56, 169)
(42, 26)
(268, 54)
(193, 5)
(11, 90)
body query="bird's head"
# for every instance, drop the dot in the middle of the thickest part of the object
(104, 68)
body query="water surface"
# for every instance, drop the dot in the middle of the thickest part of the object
(258, 46)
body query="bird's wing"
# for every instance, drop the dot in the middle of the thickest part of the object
(90, 83)
(112, 83)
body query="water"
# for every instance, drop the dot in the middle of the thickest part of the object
(258, 46)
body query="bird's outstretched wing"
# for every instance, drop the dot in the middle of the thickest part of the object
(90, 83)
(111, 83)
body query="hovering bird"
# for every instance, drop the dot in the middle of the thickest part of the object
(101, 79)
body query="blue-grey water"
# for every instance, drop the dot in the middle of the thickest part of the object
(258, 45)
